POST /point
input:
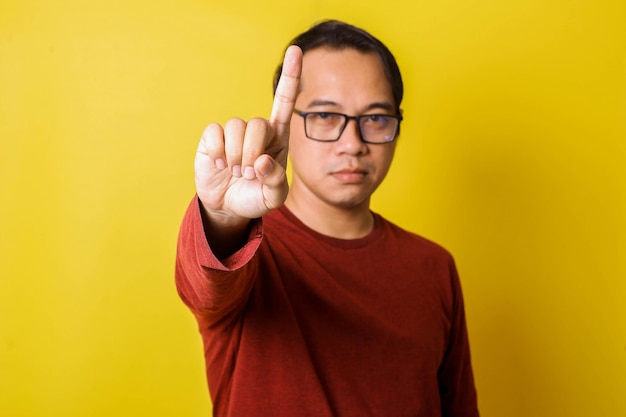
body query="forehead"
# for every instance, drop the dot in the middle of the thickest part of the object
(344, 76)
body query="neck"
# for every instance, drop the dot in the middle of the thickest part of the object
(338, 222)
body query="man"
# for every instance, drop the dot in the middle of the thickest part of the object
(308, 303)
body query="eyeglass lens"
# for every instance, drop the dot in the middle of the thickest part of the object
(374, 128)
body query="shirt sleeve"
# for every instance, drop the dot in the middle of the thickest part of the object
(211, 287)
(456, 379)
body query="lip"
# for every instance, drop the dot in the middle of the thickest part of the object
(349, 176)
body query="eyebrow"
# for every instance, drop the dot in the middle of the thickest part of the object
(381, 105)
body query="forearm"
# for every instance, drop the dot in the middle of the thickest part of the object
(225, 234)
(456, 378)
(207, 284)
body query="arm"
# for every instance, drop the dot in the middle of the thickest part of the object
(456, 379)
(240, 167)
(210, 286)
(240, 176)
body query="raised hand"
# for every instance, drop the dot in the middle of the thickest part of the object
(240, 167)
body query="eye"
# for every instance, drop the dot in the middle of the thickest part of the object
(328, 117)
(324, 118)
(376, 120)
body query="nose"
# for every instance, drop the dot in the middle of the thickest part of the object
(350, 140)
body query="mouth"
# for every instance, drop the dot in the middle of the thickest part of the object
(349, 175)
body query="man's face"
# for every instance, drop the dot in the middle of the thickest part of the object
(344, 173)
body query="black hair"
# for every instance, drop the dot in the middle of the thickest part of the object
(338, 35)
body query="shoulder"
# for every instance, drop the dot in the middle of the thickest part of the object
(401, 236)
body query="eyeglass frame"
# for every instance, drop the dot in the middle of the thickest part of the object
(346, 119)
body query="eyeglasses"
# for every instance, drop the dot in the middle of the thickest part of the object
(328, 126)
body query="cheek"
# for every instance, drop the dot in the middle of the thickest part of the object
(303, 155)
(384, 159)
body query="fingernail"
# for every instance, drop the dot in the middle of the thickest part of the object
(220, 163)
(248, 173)
(237, 171)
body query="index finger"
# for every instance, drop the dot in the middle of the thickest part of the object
(287, 90)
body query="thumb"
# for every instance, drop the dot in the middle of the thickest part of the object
(273, 177)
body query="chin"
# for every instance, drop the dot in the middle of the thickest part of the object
(350, 202)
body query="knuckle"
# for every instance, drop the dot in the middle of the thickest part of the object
(257, 128)
(235, 124)
(256, 133)
(258, 124)
(212, 130)
(212, 139)
(233, 137)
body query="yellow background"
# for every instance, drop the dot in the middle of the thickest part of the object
(512, 155)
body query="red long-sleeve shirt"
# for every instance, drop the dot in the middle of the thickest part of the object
(301, 324)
